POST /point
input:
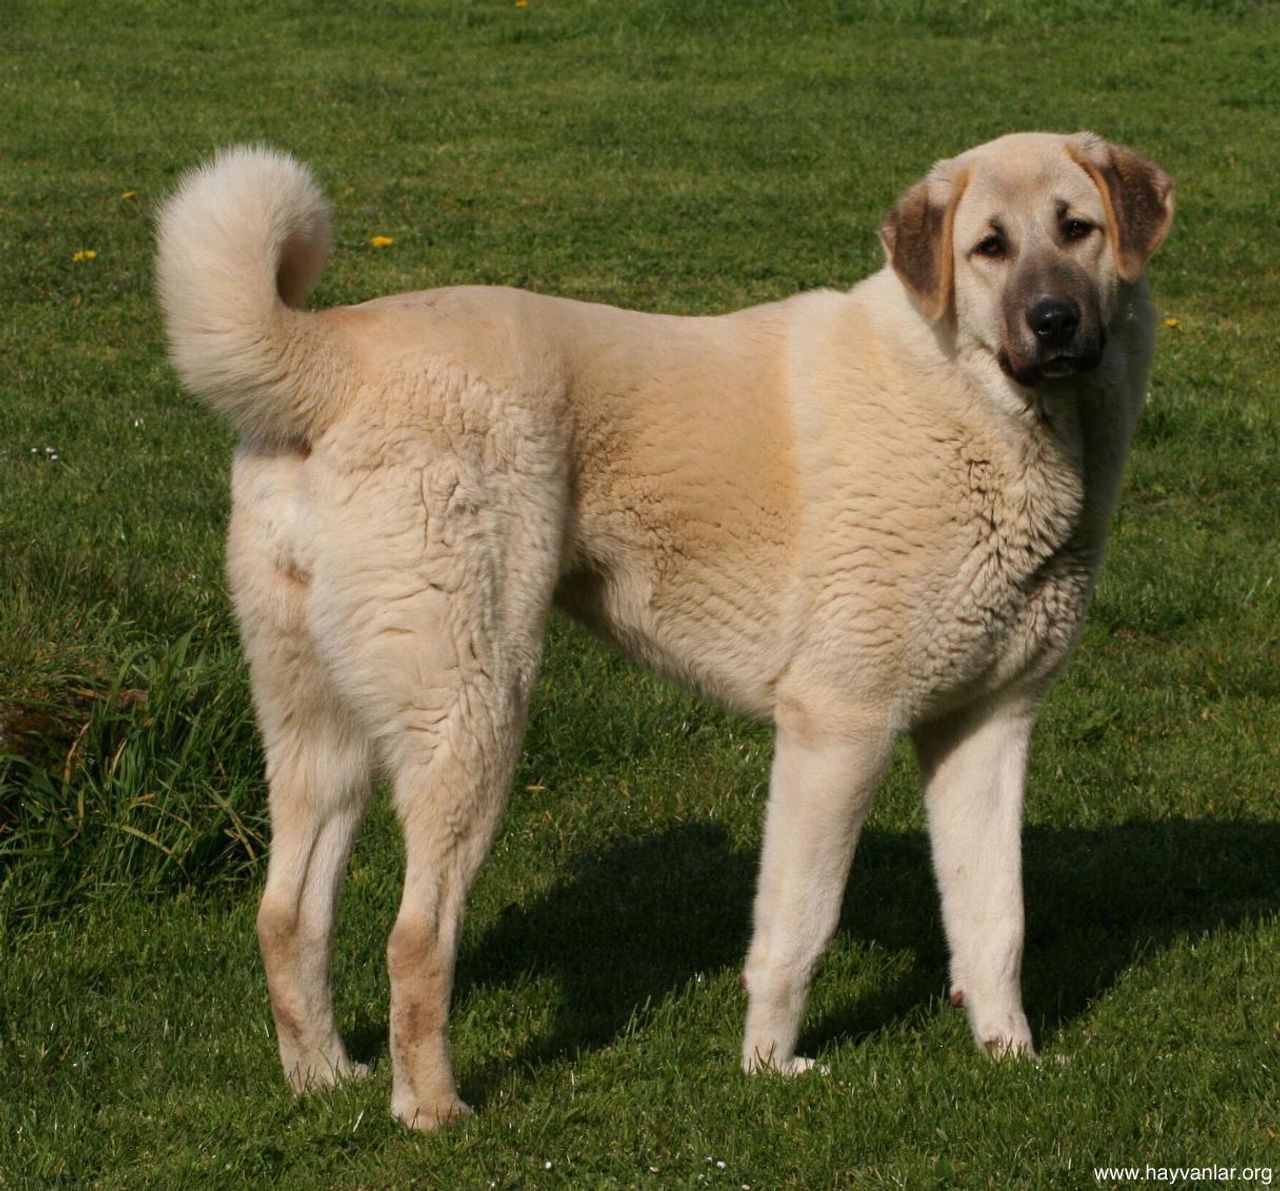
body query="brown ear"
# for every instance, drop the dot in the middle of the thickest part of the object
(1138, 196)
(917, 240)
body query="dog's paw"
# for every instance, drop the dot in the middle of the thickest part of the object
(1009, 1047)
(321, 1072)
(1002, 1032)
(796, 1065)
(428, 1118)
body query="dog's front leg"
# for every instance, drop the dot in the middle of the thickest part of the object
(974, 766)
(819, 793)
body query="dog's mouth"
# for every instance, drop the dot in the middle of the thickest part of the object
(1030, 372)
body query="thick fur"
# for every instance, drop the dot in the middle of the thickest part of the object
(854, 515)
(253, 237)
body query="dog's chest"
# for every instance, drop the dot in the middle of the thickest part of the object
(1010, 601)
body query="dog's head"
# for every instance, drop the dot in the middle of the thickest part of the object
(1025, 243)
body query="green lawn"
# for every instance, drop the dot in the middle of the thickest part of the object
(686, 157)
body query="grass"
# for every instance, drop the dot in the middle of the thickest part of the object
(683, 157)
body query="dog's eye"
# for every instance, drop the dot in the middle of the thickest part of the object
(1076, 229)
(992, 248)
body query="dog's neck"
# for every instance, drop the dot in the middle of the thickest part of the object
(1064, 442)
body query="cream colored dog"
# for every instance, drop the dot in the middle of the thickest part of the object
(853, 515)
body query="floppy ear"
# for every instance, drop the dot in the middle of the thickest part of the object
(916, 235)
(1138, 196)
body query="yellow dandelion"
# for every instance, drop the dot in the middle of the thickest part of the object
(128, 194)
(1173, 322)
(381, 241)
(85, 254)
(522, 3)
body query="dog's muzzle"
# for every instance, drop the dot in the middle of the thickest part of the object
(1056, 343)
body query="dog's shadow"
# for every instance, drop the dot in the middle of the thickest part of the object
(635, 923)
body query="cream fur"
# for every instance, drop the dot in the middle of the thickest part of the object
(831, 513)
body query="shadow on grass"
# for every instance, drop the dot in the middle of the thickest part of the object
(635, 923)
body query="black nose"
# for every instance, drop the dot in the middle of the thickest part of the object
(1053, 321)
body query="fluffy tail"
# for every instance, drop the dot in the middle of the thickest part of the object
(239, 245)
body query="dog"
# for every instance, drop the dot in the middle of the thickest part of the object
(854, 515)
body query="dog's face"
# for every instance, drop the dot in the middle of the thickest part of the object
(1024, 243)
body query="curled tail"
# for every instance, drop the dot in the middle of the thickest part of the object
(239, 245)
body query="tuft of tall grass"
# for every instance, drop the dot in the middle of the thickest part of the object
(158, 785)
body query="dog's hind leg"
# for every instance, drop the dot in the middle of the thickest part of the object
(825, 771)
(318, 769)
(319, 778)
(438, 600)
(973, 766)
(450, 792)
(452, 759)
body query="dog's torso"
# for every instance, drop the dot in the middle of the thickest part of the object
(809, 494)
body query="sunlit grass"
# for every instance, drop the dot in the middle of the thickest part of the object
(681, 157)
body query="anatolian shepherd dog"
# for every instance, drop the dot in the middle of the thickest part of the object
(851, 514)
